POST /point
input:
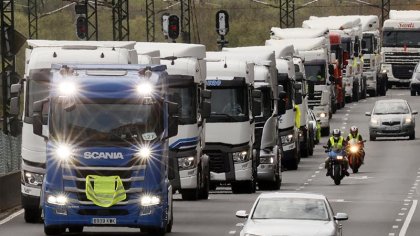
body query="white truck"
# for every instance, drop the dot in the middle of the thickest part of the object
(40, 55)
(350, 30)
(400, 46)
(230, 129)
(320, 89)
(186, 69)
(267, 139)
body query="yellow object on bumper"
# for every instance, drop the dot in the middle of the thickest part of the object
(106, 190)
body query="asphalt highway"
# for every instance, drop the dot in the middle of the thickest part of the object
(381, 200)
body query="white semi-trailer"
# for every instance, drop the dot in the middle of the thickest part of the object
(400, 46)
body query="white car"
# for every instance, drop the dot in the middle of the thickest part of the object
(298, 214)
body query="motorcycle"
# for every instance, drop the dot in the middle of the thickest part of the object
(355, 152)
(336, 164)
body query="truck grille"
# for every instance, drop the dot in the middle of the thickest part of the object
(402, 71)
(75, 179)
(315, 99)
(402, 58)
(366, 64)
(219, 162)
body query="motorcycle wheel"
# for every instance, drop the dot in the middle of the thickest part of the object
(337, 174)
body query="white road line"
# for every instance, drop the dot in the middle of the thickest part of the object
(391, 234)
(395, 226)
(313, 176)
(408, 219)
(232, 232)
(398, 220)
(317, 172)
(401, 213)
(9, 218)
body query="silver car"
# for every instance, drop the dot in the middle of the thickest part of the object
(298, 214)
(392, 118)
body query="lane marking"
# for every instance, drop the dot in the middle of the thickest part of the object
(232, 232)
(313, 176)
(317, 172)
(398, 220)
(401, 213)
(408, 219)
(9, 218)
(395, 226)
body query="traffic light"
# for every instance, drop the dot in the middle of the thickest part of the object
(81, 27)
(173, 27)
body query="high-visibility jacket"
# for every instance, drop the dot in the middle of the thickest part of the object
(338, 145)
(297, 116)
(357, 136)
(106, 191)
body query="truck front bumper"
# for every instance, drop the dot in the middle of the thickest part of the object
(321, 113)
(185, 179)
(239, 172)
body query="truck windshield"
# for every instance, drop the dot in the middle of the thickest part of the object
(368, 44)
(266, 102)
(106, 122)
(229, 104)
(288, 88)
(315, 73)
(401, 39)
(187, 105)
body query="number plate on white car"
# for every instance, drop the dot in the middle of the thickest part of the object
(104, 221)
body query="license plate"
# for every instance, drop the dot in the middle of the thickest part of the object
(104, 221)
(393, 128)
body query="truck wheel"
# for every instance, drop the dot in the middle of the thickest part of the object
(292, 165)
(32, 215)
(155, 231)
(305, 149)
(413, 92)
(189, 194)
(171, 221)
(76, 229)
(348, 99)
(413, 135)
(53, 230)
(325, 131)
(311, 144)
(204, 192)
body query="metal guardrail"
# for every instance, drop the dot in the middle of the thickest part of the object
(10, 153)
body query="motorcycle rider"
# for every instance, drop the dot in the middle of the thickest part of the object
(337, 141)
(354, 134)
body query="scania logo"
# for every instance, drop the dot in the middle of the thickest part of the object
(103, 155)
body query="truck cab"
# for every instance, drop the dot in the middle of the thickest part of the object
(40, 54)
(106, 142)
(230, 131)
(400, 52)
(186, 69)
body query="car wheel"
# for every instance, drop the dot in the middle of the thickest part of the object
(413, 92)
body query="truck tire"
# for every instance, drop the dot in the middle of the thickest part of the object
(204, 192)
(292, 165)
(356, 93)
(348, 99)
(413, 92)
(192, 194)
(32, 215)
(305, 149)
(53, 230)
(76, 229)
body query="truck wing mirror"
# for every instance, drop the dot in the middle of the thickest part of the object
(206, 94)
(38, 121)
(14, 106)
(15, 88)
(282, 103)
(256, 106)
(331, 69)
(172, 126)
(205, 109)
(298, 98)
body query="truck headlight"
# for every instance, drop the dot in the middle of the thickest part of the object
(144, 153)
(149, 200)
(67, 88)
(145, 88)
(384, 71)
(33, 178)
(240, 156)
(323, 115)
(59, 200)
(63, 152)
(287, 139)
(185, 163)
(267, 160)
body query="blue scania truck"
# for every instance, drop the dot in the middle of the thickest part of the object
(107, 147)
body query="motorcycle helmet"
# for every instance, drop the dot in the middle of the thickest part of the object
(336, 134)
(354, 130)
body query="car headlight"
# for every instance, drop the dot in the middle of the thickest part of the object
(323, 115)
(240, 156)
(185, 163)
(340, 157)
(374, 121)
(149, 200)
(33, 178)
(354, 149)
(59, 200)
(407, 120)
(63, 152)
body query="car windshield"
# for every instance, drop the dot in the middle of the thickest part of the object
(229, 103)
(185, 97)
(291, 208)
(106, 122)
(391, 108)
(401, 38)
(315, 73)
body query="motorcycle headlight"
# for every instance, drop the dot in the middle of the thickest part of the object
(240, 156)
(33, 178)
(339, 157)
(354, 149)
(185, 163)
